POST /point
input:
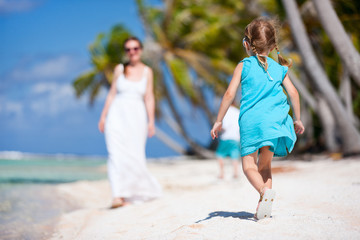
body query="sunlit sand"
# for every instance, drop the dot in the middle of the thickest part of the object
(315, 200)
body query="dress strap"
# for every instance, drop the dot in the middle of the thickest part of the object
(119, 69)
(122, 68)
(145, 72)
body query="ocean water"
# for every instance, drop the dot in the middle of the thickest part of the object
(29, 203)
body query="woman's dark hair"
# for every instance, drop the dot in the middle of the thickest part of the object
(132, 38)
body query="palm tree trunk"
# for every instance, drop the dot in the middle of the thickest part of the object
(307, 139)
(166, 139)
(198, 150)
(350, 135)
(329, 125)
(308, 103)
(304, 93)
(339, 38)
(209, 114)
(322, 110)
(172, 124)
(345, 94)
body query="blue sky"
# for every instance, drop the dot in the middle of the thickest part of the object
(44, 46)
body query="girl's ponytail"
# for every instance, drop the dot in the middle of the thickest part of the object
(262, 59)
(281, 59)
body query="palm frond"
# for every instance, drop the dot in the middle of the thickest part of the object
(83, 82)
(180, 73)
(94, 90)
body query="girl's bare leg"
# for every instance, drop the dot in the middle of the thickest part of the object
(259, 175)
(221, 165)
(251, 171)
(264, 166)
(236, 168)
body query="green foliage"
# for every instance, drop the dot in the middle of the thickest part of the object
(182, 77)
(349, 14)
(205, 37)
(204, 34)
(105, 53)
(82, 82)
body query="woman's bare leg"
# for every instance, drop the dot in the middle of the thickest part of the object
(264, 165)
(251, 171)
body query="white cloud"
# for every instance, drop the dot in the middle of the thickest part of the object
(9, 6)
(53, 99)
(57, 98)
(51, 68)
(46, 99)
(44, 87)
(12, 115)
(11, 108)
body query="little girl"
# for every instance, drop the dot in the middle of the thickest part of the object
(266, 129)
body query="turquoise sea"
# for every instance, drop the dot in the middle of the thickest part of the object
(29, 204)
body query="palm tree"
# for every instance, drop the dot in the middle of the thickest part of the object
(338, 36)
(350, 135)
(311, 96)
(105, 53)
(200, 44)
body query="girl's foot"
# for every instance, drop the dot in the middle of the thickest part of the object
(261, 196)
(264, 207)
(118, 202)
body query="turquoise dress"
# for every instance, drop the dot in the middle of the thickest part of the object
(264, 111)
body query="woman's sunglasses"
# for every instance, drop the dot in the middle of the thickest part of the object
(135, 49)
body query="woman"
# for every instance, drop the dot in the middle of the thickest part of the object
(127, 117)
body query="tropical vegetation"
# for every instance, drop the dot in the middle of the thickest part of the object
(199, 44)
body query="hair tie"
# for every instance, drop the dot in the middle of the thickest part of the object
(278, 53)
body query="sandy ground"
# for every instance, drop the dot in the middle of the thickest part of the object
(315, 200)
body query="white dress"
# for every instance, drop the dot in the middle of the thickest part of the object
(125, 136)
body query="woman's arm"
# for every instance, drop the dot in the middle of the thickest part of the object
(110, 97)
(294, 102)
(150, 103)
(227, 100)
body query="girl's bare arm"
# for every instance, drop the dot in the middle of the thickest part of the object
(295, 103)
(227, 100)
(230, 93)
(293, 95)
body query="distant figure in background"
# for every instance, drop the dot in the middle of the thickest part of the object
(127, 118)
(266, 128)
(229, 144)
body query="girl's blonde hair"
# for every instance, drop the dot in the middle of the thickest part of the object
(261, 34)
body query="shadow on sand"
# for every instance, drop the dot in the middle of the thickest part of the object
(241, 215)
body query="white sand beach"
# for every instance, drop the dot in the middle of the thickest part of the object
(315, 200)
